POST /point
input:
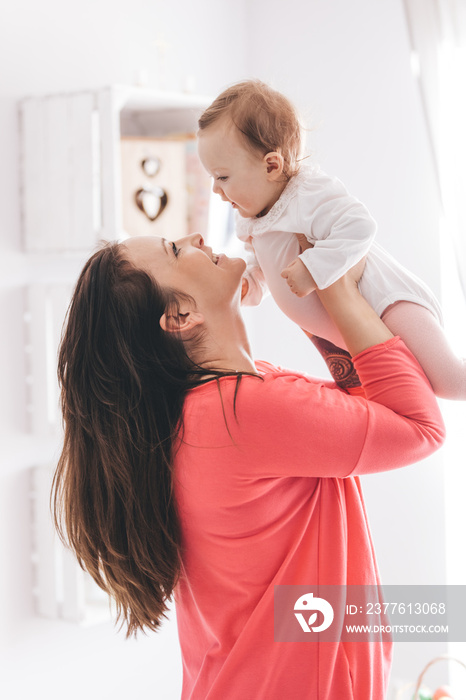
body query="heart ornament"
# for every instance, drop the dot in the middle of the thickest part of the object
(151, 201)
(151, 166)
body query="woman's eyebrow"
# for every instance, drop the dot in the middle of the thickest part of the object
(164, 241)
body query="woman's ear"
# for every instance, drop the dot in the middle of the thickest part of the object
(181, 322)
(274, 163)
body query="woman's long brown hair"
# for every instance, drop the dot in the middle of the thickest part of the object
(123, 383)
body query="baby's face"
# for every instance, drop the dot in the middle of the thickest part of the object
(240, 175)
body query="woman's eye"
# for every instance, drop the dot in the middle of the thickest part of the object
(223, 178)
(175, 249)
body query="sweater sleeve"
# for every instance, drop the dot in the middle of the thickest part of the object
(339, 226)
(295, 426)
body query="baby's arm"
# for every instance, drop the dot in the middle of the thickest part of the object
(340, 229)
(254, 286)
(299, 279)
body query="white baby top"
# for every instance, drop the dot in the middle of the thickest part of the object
(342, 231)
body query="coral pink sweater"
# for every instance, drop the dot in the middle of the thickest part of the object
(274, 498)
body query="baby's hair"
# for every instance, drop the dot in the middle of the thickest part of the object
(265, 117)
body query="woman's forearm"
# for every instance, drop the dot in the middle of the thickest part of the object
(356, 320)
(339, 362)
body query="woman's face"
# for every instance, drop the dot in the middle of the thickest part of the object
(189, 266)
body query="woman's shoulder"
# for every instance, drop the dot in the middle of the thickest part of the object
(281, 381)
(264, 367)
(271, 372)
(254, 408)
(271, 384)
(267, 374)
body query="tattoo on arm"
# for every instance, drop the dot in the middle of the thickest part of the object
(338, 361)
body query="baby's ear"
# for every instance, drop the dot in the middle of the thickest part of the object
(274, 163)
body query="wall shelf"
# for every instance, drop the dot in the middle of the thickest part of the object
(71, 162)
(71, 166)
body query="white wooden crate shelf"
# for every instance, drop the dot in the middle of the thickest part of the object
(71, 163)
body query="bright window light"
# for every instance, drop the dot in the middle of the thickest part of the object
(451, 145)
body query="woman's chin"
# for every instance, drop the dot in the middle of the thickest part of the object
(227, 261)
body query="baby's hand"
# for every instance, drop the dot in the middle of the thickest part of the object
(299, 279)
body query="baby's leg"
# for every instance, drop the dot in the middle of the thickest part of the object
(424, 336)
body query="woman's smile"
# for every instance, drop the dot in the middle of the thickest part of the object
(189, 266)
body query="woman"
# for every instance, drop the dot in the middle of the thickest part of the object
(188, 469)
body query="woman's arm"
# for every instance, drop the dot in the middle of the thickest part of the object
(318, 431)
(356, 320)
(293, 425)
(339, 363)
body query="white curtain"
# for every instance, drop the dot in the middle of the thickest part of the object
(437, 30)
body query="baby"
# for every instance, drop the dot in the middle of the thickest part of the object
(250, 143)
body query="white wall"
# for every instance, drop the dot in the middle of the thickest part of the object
(46, 47)
(346, 65)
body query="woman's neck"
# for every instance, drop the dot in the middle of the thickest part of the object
(226, 345)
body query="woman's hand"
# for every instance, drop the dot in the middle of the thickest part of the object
(300, 280)
(356, 320)
(304, 244)
(355, 273)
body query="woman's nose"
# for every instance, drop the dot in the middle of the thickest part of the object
(194, 239)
